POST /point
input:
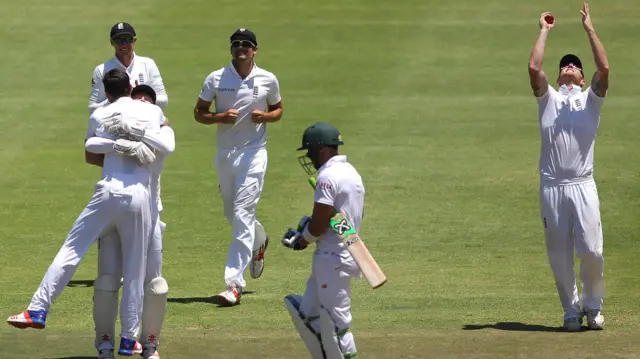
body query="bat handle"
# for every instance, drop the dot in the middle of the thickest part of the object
(312, 182)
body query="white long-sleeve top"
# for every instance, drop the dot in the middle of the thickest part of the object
(142, 70)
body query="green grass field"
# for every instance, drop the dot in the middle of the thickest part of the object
(434, 104)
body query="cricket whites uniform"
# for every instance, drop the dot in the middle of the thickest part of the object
(569, 203)
(122, 201)
(328, 287)
(241, 158)
(142, 70)
(107, 284)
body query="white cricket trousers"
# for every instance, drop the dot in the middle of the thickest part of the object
(571, 219)
(329, 286)
(241, 177)
(125, 206)
(110, 258)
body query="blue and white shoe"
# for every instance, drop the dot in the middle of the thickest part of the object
(29, 319)
(129, 347)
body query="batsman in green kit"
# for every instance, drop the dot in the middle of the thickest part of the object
(322, 316)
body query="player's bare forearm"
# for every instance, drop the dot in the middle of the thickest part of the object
(537, 77)
(202, 114)
(206, 117)
(94, 158)
(320, 218)
(273, 116)
(600, 82)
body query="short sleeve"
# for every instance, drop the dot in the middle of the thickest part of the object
(593, 99)
(208, 92)
(544, 99)
(273, 97)
(326, 190)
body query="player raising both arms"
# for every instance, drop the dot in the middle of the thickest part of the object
(323, 315)
(570, 208)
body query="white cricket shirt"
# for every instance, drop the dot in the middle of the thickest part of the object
(142, 69)
(125, 168)
(569, 122)
(255, 92)
(339, 185)
(157, 166)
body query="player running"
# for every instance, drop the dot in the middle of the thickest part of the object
(569, 203)
(107, 285)
(323, 315)
(242, 92)
(121, 200)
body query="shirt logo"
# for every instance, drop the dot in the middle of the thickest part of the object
(342, 227)
(141, 78)
(324, 185)
(223, 89)
(256, 91)
(578, 104)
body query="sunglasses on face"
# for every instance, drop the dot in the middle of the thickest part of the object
(570, 66)
(243, 43)
(124, 40)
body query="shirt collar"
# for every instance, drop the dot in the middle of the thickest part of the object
(332, 160)
(133, 61)
(564, 89)
(124, 99)
(251, 74)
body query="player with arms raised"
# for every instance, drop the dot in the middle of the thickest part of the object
(570, 208)
(323, 315)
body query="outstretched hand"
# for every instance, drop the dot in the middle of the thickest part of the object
(586, 17)
(544, 25)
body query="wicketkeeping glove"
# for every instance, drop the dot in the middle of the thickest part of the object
(115, 125)
(143, 154)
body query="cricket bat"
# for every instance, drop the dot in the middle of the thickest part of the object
(348, 235)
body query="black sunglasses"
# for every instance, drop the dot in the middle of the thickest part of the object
(243, 43)
(124, 40)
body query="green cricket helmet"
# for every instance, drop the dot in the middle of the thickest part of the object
(320, 134)
(314, 138)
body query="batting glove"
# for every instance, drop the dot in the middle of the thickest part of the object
(291, 239)
(143, 154)
(115, 125)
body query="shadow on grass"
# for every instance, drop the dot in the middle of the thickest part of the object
(208, 300)
(514, 326)
(80, 283)
(73, 358)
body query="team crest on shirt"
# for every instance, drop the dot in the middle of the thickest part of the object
(577, 104)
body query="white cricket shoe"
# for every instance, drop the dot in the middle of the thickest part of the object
(106, 354)
(595, 319)
(230, 297)
(573, 324)
(150, 353)
(256, 267)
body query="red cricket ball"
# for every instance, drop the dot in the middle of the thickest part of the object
(549, 19)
